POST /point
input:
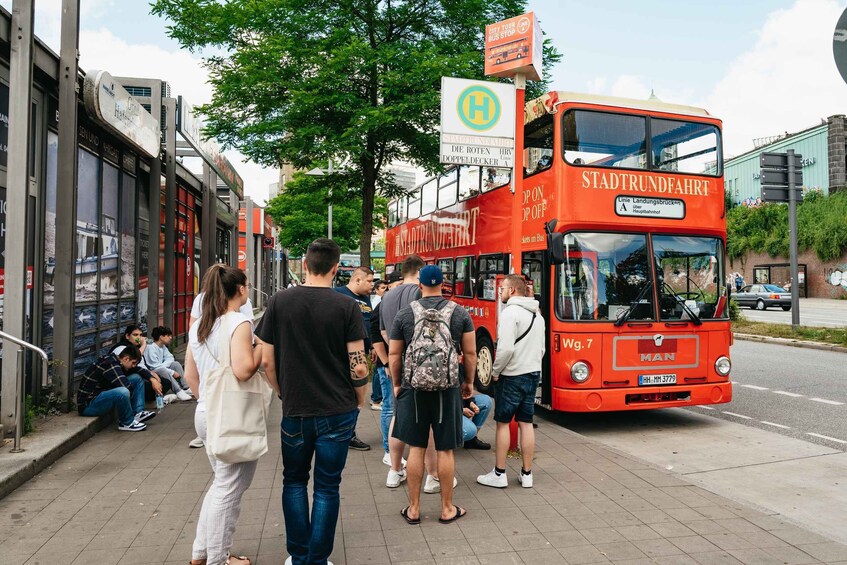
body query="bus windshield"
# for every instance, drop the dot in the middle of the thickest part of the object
(604, 139)
(604, 275)
(690, 272)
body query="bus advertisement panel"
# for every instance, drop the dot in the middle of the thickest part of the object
(632, 291)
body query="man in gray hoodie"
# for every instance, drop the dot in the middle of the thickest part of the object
(516, 371)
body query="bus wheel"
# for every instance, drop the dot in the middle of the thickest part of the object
(484, 364)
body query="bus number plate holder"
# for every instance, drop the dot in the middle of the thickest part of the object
(651, 380)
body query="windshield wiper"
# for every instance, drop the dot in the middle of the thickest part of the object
(694, 317)
(622, 320)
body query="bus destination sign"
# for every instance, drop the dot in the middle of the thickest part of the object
(639, 206)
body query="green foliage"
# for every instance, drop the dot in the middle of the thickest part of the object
(301, 212)
(49, 404)
(358, 82)
(820, 227)
(735, 311)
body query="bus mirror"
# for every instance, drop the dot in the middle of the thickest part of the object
(556, 247)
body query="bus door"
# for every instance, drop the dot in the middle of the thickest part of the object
(536, 266)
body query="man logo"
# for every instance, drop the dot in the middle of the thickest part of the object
(658, 339)
(479, 108)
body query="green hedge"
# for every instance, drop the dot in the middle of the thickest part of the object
(822, 227)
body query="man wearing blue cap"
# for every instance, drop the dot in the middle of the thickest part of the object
(423, 354)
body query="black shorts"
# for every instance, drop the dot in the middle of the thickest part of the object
(514, 397)
(416, 412)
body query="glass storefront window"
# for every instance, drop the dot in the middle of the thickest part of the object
(87, 219)
(128, 221)
(109, 242)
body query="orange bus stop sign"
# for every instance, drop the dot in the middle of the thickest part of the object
(514, 46)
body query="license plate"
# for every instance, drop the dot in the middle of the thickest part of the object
(647, 380)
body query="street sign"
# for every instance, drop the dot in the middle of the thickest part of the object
(779, 160)
(839, 45)
(780, 194)
(780, 178)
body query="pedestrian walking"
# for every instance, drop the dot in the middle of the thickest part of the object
(322, 374)
(359, 289)
(423, 353)
(739, 282)
(226, 292)
(517, 371)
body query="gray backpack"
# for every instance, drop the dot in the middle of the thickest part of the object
(431, 362)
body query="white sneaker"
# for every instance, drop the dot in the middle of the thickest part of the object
(376, 406)
(387, 460)
(135, 426)
(145, 415)
(525, 480)
(290, 561)
(182, 395)
(196, 442)
(168, 398)
(433, 485)
(395, 478)
(492, 479)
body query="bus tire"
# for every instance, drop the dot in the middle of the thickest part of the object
(484, 364)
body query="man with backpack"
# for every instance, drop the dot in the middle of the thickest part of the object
(424, 361)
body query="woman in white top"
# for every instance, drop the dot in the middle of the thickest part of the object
(226, 291)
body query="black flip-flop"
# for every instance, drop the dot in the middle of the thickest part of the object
(405, 514)
(459, 513)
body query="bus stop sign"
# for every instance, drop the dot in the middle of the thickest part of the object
(839, 45)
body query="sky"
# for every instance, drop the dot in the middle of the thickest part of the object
(765, 67)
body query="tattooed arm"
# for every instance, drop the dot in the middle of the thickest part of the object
(358, 368)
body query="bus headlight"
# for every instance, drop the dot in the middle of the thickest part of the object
(580, 372)
(723, 365)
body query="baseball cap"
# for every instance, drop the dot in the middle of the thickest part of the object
(394, 276)
(431, 275)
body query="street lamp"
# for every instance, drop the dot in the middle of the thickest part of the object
(317, 172)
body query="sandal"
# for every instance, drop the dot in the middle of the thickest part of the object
(459, 513)
(241, 558)
(412, 521)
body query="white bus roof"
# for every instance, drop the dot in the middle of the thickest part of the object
(548, 102)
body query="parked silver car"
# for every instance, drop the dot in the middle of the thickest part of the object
(760, 296)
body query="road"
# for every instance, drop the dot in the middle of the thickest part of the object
(781, 444)
(818, 312)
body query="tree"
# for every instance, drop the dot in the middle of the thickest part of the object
(301, 212)
(356, 81)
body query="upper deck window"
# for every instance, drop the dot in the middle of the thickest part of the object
(447, 188)
(603, 139)
(468, 182)
(538, 145)
(415, 204)
(429, 193)
(392, 213)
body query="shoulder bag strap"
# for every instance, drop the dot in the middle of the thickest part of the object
(523, 335)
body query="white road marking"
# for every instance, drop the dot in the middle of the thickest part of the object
(737, 415)
(754, 387)
(784, 393)
(776, 425)
(705, 407)
(825, 401)
(826, 437)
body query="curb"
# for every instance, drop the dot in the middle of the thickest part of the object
(791, 342)
(61, 435)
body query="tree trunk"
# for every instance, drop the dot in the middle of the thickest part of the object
(368, 197)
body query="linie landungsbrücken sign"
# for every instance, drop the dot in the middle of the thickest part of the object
(108, 102)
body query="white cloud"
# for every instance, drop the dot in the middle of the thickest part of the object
(788, 80)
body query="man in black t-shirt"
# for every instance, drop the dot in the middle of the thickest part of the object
(421, 412)
(322, 373)
(359, 289)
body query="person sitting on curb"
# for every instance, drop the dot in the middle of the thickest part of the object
(153, 385)
(111, 383)
(160, 360)
(475, 411)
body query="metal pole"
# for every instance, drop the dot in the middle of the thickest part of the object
(249, 247)
(154, 274)
(329, 212)
(17, 190)
(792, 234)
(44, 362)
(170, 213)
(64, 284)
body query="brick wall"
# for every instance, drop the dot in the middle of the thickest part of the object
(837, 152)
(817, 272)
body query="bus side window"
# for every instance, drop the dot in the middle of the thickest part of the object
(463, 285)
(446, 266)
(489, 267)
(468, 182)
(538, 145)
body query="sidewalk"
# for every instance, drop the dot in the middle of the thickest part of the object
(133, 498)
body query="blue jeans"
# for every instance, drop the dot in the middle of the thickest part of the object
(376, 386)
(310, 540)
(470, 426)
(514, 397)
(128, 401)
(387, 405)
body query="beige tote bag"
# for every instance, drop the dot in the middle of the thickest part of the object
(236, 411)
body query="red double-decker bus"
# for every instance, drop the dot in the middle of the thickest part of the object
(620, 219)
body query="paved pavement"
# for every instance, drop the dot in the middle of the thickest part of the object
(814, 312)
(133, 499)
